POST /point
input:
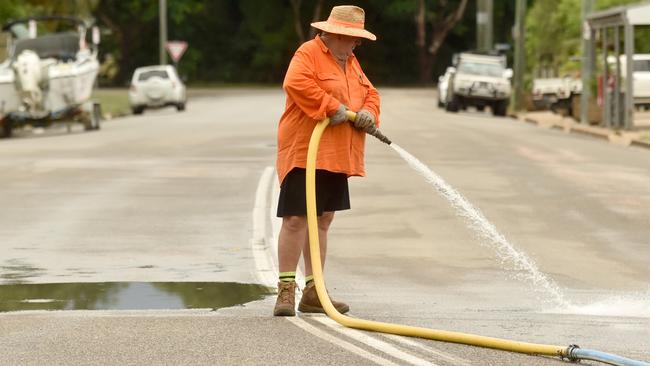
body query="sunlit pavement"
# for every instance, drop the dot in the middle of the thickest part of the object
(638, 136)
(170, 197)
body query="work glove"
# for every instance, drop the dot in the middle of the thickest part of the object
(365, 120)
(340, 115)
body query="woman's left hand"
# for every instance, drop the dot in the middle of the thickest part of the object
(365, 120)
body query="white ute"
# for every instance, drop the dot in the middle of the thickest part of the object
(156, 87)
(479, 80)
(555, 93)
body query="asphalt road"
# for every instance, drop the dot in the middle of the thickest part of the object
(188, 197)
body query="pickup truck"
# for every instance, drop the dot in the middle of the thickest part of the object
(477, 80)
(555, 93)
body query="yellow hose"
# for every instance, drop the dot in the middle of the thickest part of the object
(438, 335)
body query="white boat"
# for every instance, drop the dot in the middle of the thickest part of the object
(8, 96)
(48, 77)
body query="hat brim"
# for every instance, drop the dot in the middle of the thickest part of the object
(346, 31)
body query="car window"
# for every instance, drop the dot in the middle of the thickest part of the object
(146, 75)
(477, 68)
(641, 65)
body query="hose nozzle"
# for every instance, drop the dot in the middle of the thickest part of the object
(380, 136)
(372, 130)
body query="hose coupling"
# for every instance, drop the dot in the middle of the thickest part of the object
(569, 353)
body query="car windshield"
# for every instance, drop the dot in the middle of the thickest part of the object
(152, 73)
(641, 65)
(477, 68)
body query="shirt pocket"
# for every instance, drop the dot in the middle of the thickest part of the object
(360, 90)
(331, 82)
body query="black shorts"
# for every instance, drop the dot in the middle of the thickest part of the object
(332, 193)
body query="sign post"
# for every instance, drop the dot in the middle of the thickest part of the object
(176, 50)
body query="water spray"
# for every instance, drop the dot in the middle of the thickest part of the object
(572, 352)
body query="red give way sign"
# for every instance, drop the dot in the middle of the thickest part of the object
(176, 49)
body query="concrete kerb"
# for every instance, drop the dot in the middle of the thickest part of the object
(567, 125)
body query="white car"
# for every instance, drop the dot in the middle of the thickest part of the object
(155, 87)
(443, 86)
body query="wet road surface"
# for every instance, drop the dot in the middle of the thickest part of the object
(188, 197)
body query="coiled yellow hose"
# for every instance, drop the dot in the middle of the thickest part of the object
(434, 334)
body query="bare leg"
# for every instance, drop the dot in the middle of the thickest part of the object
(291, 241)
(324, 222)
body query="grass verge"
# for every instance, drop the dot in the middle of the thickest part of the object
(114, 101)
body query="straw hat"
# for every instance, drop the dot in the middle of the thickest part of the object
(347, 20)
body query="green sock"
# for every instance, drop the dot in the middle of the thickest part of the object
(287, 276)
(309, 279)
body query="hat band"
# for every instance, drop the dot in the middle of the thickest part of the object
(345, 24)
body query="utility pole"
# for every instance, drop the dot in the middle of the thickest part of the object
(484, 29)
(588, 60)
(162, 17)
(520, 52)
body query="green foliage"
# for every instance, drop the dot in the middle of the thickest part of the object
(605, 4)
(252, 41)
(10, 9)
(553, 35)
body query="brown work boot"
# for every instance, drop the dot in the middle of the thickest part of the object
(309, 303)
(285, 305)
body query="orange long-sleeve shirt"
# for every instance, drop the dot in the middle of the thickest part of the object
(315, 86)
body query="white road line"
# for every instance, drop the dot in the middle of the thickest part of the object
(410, 342)
(339, 342)
(276, 222)
(265, 268)
(373, 342)
(264, 248)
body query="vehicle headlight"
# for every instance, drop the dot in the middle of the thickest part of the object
(463, 84)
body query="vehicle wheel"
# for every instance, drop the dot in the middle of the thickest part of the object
(499, 108)
(137, 110)
(480, 108)
(452, 105)
(93, 117)
(440, 104)
(180, 107)
(6, 128)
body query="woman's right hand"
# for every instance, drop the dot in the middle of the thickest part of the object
(339, 116)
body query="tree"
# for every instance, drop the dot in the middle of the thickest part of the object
(441, 20)
(132, 39)
(433, 21)
(298, 21)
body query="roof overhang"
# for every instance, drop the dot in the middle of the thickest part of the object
(638, 14)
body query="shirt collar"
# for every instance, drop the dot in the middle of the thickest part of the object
(321, 44)
(324, 48)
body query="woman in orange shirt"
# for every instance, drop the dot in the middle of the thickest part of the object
(324, 79)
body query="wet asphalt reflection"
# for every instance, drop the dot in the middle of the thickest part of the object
(128, 295)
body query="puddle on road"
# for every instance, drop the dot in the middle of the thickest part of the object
(128, 295)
